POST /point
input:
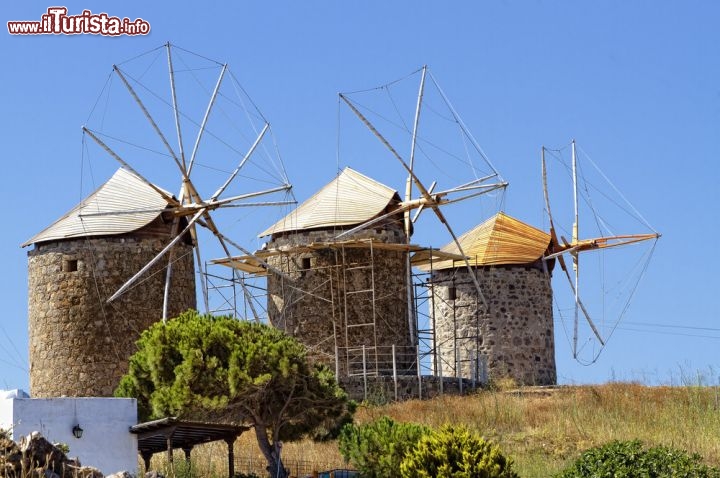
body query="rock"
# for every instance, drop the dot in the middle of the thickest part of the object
(35, 457)
(121, 474)
(10, 456)
(37, 452)
(88, 472)
(43, 473)
(154, 474)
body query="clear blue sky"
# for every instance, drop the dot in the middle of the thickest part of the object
(636, 83)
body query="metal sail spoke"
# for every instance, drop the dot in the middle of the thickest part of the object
(407, 220)
(421, 208)
(585, 312)
(150, 119)
(246, 293)
(480, 191)
(167, 197)
(199, 262)
(168, 272)
(546, 195)
(432, 202)
(189, 210)
(559, 247)
(375, 220)
(413, 144)
(242, 163)
(176, 111)
(129, 212)
(215, 203)
(159, 256)
(205, 119)
(245, 251)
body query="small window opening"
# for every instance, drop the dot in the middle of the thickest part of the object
(451, 292)
(70, 265)
(306, 263)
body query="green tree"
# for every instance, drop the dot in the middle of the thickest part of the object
(377, 448)
(631, 458)
(455, 452)
(253, 373)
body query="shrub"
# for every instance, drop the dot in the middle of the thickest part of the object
(630, 458)
(377, 448)
(458, 453)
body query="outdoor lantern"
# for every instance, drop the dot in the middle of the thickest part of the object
(77, 431)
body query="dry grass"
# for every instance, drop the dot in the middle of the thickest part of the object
(544, 429)
(541, 429)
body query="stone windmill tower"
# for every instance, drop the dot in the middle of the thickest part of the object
(123, 258)
(346, 299)
(509, 328)
(79, 344)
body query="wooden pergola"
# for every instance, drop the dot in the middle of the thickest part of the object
(168, 434)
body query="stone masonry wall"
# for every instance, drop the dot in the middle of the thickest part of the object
(326, 299)
(512, 337)
(79, 344)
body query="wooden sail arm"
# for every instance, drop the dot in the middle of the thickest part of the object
(579, 304)
(400, 208)
(598, 243)
(431, 201)
(167, 197)
(191, 208)
(385, 142)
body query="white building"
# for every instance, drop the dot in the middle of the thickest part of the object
(106, 442)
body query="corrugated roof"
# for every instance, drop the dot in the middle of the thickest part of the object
(351, 198)
(501, 240)
(123, 204)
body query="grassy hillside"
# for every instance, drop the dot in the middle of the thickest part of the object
(542, 430)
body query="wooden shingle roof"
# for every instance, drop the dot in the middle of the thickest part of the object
(501, 240)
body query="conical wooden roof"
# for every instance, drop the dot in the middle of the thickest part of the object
(349, 199)
(501, 240)
(123, 204)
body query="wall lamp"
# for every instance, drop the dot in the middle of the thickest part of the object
(77, 431)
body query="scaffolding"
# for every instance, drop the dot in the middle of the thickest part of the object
(340, 278)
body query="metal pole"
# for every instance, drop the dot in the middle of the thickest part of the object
(364, 372)
(395, 378)
(575, 255)
(419, 371)
(408, 196)
(337, 363)
(457, 370)
(474, 369)
(440, 369)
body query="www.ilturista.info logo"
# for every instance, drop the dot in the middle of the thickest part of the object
(57, 22)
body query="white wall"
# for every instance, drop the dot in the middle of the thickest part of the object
(106, 443)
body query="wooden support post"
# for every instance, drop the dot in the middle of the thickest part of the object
(231, 456)
(169, 449)
(146, 456)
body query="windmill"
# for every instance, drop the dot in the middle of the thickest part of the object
(124, 256)
(586, 193)
(218, 131)
(347, 290)
(418, 195)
